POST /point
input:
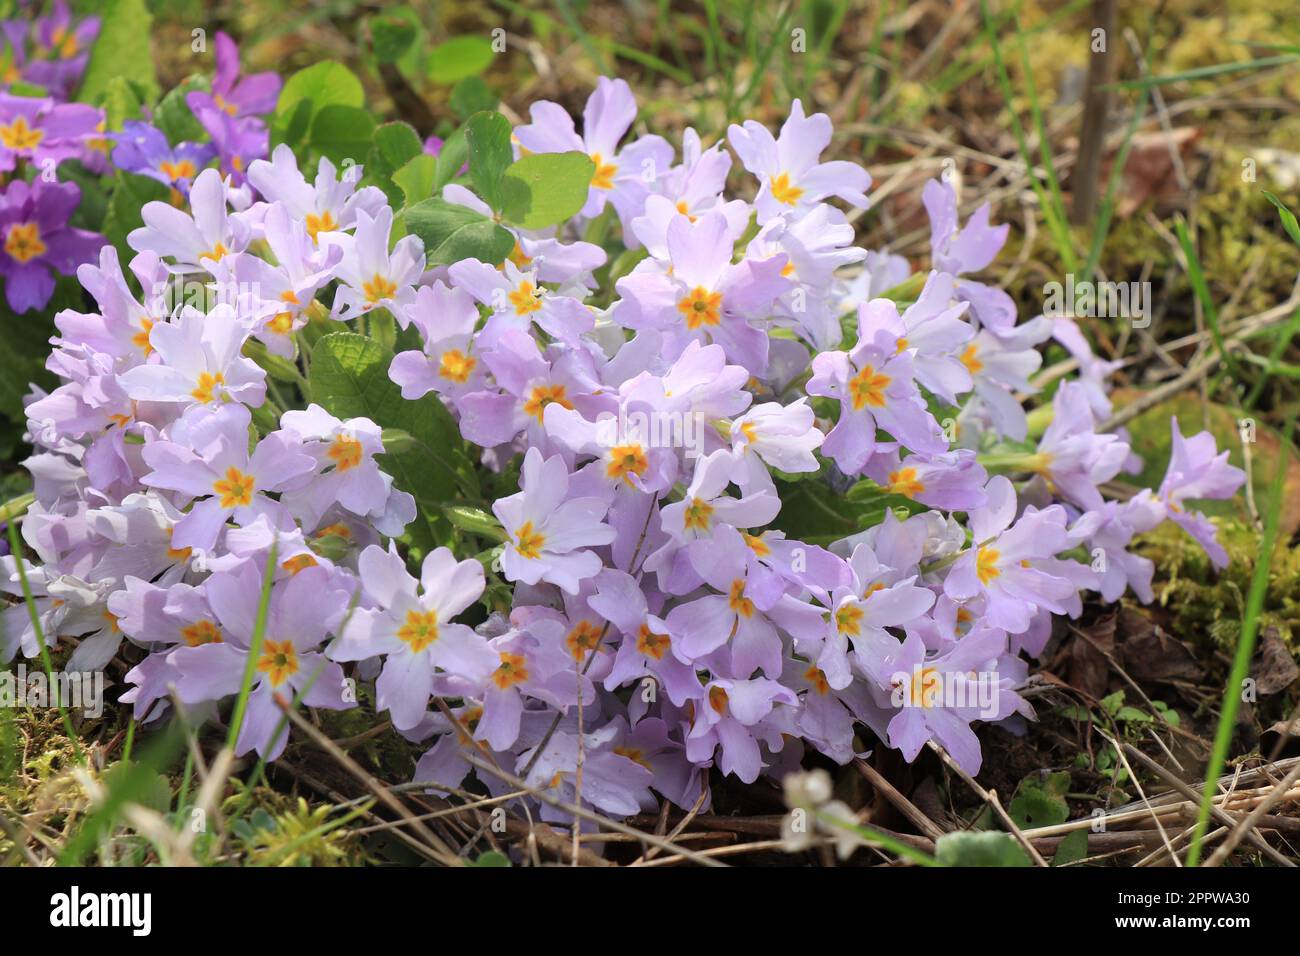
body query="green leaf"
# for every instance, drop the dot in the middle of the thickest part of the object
(392, 36)
(451, 233)
(1111, 703)
(488, 137)
(545, 189)
(121, 49)
(130, 193)
(349, 378)
(1071, 849)
(471, 95)
(491, 858)
(458, 58)
(416, 179)
(120, 103)
(342, 132)
(1289, 222)
(175, 118)
(982, 848)
(319, 85)
(23, 349)
(395, 145)
(1040, 801)
(453, 156)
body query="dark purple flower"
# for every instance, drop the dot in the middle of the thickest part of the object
(38, 241)
(232, 94)
(143, 149)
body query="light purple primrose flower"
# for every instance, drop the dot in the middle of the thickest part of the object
(196, 360)
(693, 188)
(932, 329)
(1108, 532)
(281, 294)
(144, 150)
(1198, 470)
(734, 717)
(921, 688)
(38, 242)
(55, 598)
(827, 716)
(547, 535)
(699, 295)
(39, 131)
(345, 451)
(199, 240)
(645, 647)
(234, 94)
(527, 384)
(330, 203)
(969, 248)
(208, 459)
(121, 327)
(878, 597)
(1000, 366)
(612, 783)
(449, 363)
(411, 625)
(303, 611)
(622, 177)
(371, 275)
(876, 390)
(1093, 370)
(706, 504)
(999, 565)
(814, 248)
(518, 300)
(792, 180)
(623, 445)
(1071, 455)
(952, 481)
(776, 436)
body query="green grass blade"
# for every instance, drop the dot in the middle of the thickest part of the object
(254, 650)
(1205, 72)
(1245, 649)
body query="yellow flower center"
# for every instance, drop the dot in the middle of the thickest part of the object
(737, 601)
(583, 638)
(817, 679)
(904, 482)
(235, 490)
(279, 661)
(24, 241)
(970, 359)
(419, 630)
(625, 460)
(526, 299)
(544, 395)
(868, 388)
(299, 562)
(634, 755)
(697, 515)
(322, 223)
(456, 366)
(206, 389)
(512, 670)
(986, 564)
(184, 169)
(848, 619)
(757, 544)
(926, 685)
(345, 451)
(784, 191)
(701, 307)
(518, 257)
(216, 253)
(201, 632)
(651, 644)
(718, 699)
(18, 135)
(603, 176)
(528, 542)
(378, 288)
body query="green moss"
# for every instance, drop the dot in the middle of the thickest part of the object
(1204, 603)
